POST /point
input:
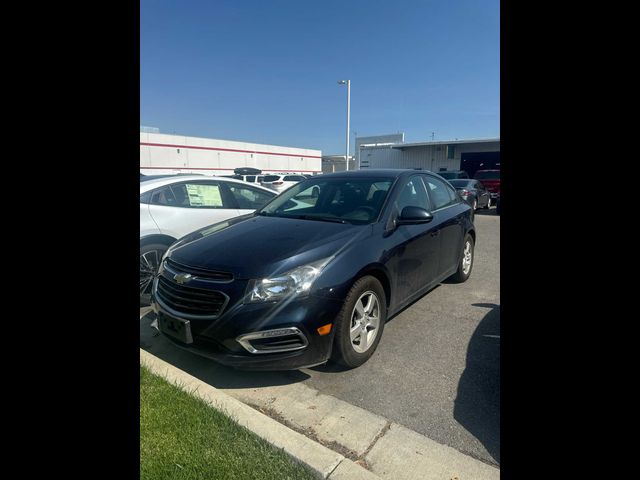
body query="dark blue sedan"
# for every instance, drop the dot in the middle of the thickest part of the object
(315, 274)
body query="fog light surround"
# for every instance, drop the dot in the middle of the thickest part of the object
(297, 340)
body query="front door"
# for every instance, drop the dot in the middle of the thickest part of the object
(416, 247)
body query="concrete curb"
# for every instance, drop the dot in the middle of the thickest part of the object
(326, 463)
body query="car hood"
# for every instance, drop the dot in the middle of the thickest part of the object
(254, 246)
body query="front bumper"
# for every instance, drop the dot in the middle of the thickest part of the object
(218, 339)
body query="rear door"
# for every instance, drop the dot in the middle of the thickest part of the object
(448, 212)
(183, 207)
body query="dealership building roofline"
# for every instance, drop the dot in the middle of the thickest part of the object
(424, 144)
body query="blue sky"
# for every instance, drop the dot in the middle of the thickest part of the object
(266, 71)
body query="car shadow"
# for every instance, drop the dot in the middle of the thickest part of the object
(214, 374)
(477, 404)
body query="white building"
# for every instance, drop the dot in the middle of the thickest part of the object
(390, 151)
(169, 154)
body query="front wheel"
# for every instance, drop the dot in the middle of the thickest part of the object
(466, 261)
(150, 257)
(360, 323)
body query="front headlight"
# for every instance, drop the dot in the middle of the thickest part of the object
(296, 282)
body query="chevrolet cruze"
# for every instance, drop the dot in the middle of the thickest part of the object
(315, 273)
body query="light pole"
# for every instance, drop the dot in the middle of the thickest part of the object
(348, 84)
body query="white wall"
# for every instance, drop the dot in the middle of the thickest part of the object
(162, 153)
(427, 157)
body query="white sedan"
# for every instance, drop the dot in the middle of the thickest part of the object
(171, 207)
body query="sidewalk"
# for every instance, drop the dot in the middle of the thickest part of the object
(333, 438)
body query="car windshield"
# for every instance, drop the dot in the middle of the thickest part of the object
(341, 199)
(460, 183)
(488, 175)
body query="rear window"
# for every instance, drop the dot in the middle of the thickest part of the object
(447, 175)
(487, 175)
(271, 178)
(294, 178)
(460, 183)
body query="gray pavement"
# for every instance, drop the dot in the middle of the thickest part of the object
(436, 370)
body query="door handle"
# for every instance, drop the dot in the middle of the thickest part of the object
(435, 234)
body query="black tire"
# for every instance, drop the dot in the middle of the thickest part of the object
(344, 352)
(460, 276)
(488, 205)
(147, 256)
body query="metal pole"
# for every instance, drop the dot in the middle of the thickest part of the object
(348, 119)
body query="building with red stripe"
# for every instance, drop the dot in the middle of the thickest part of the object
(166, 154)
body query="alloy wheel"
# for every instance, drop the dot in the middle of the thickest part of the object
(149, 263)
(467, 257)
(365, 320)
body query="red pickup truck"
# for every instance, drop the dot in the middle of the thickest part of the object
(491, 180)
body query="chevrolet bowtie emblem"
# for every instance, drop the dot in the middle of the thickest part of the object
(182, 278)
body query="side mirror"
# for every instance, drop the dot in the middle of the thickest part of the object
(414, 215)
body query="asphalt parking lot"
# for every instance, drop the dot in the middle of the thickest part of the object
(436, 370)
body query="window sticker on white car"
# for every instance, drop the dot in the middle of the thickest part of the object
(204, 195)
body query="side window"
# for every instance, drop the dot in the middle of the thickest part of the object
(250, 178)
(163, 196)
(198, 195)
(145, 197)
(413, 194)
(249, 198)
(441, 194)
(293, 178)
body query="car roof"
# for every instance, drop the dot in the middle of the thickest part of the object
(375, 172)
(161, 182)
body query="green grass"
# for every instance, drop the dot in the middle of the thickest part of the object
(182, 437)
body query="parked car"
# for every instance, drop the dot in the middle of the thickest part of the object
(172, 206)
(453, 174)
(257, 179)
(302, 281)
(280, 183)
(146, 178)
(473, 192)
(248, 174)
(491, 180)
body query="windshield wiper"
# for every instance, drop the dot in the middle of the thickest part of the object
(322, 219)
